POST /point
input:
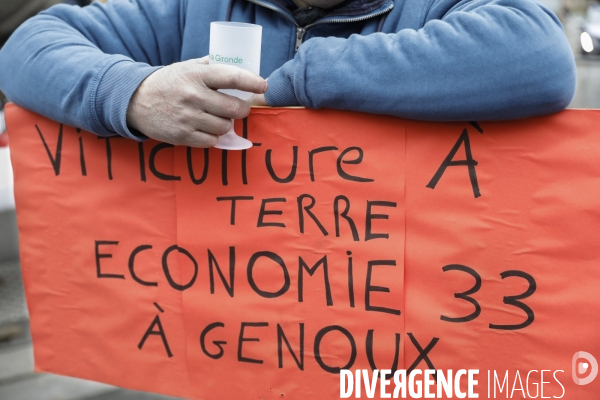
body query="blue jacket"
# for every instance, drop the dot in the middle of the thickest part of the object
(419, 59)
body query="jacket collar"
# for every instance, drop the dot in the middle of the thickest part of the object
(349, 8)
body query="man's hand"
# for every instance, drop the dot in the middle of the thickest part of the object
(179, 104)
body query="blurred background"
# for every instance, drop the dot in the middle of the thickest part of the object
(581, 21)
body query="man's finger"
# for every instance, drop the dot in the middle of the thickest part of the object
(221, 76)
(196, 139)
(212, 124)
(225, 106)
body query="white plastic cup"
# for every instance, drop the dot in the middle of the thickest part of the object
(237, 44)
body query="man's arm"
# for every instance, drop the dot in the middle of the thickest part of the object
(76, 65)
(483, 59)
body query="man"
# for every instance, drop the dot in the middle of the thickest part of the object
(135, 68)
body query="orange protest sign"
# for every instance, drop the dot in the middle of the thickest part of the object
(340, 241)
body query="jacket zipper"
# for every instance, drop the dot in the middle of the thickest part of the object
(301, 31)
(299, 36)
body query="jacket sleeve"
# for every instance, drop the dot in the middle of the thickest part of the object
(477, 60)
(76, 65)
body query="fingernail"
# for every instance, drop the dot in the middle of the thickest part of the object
(265, 87)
